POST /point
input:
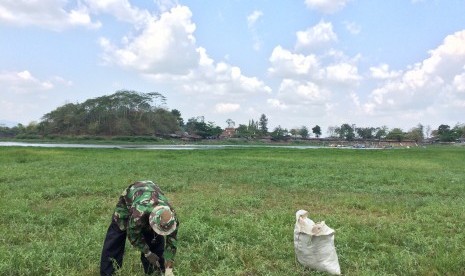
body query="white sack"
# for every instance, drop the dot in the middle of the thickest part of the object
(314, 244)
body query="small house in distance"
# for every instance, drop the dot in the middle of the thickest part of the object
(228, 132)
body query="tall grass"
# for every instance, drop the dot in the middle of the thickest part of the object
(395, 212)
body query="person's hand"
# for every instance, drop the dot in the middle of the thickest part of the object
(169, 272)
(169, 264)
(152, 258)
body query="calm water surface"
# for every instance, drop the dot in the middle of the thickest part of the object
(149, 147)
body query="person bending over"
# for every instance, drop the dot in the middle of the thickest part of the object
(144, 215)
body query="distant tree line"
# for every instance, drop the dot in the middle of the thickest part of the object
(131, 113)
(444, 133)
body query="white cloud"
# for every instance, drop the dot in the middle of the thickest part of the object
(313, 85)
(120, 9)
(218, 78)
(353, 27)
(302, 101)
(316, 37)
(459, 82)
(286, 64)
(257, 43)
(164, 46)
(227, 107)
(165, 5)
(251, 22)
(23, 82)
(343, 73)
(382, 72)
(302, 93)
(48, 14)
(332, 70)
(253, 18)
(276, 104)
(23, 93)
(355, 99)
(316, 85)
(433, 84)
(448, 58)
(326, 6)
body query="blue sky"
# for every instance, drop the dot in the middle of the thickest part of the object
(301, 63)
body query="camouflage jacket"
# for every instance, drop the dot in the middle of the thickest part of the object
(132, 214)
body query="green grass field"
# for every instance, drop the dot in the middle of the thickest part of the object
(395, 212)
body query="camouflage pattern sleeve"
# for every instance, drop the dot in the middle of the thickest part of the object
(134, 231)
(121, 214)
(171, 245)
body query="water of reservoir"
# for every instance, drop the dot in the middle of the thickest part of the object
(148, 147)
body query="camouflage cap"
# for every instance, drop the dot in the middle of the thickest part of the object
(162, 220)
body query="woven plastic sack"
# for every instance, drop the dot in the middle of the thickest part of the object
(314, 244)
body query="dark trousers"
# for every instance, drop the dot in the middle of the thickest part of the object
(113, 251)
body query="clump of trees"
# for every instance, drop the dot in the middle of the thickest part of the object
(255, 129)
(197, 126)
(122, 113)
(447, 134)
